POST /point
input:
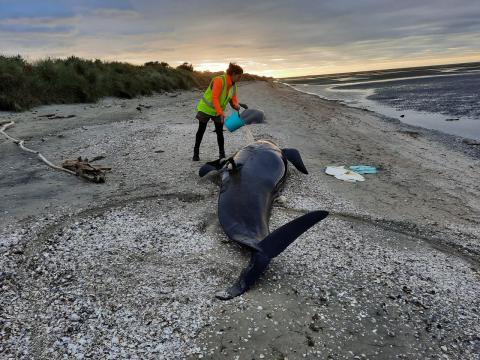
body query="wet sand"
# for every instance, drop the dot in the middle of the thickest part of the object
(129, 268)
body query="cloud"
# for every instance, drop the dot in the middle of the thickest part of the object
(34, 9)
(270, 34)
(37, 25)
(19, 28)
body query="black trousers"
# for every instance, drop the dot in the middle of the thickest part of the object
(202, 126)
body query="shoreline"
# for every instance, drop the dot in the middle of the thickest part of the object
(434, 121)
(455, 142)
(130, 267)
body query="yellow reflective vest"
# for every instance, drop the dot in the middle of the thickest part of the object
(205, 104)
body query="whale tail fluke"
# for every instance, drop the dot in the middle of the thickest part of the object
(279, 239)
(257, 265)
(271, 247)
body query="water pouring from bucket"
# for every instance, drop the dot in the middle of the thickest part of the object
(249, 116)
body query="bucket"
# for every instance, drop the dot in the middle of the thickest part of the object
(234, 122)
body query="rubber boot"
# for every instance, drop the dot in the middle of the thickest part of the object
(196, 154)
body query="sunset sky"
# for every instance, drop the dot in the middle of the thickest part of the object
(274, 38)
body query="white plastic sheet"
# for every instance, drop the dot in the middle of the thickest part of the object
(342, 173)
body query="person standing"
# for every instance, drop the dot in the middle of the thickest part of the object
(221, 91)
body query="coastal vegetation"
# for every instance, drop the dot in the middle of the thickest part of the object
(24, 84)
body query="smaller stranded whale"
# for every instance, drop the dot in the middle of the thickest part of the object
(251, 181)
(251, 116)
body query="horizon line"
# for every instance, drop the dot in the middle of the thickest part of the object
(251, 73)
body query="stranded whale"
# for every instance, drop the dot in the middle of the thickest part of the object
(251, 181)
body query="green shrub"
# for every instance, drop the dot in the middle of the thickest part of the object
(24, 85)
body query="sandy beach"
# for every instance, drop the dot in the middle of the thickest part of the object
(129, 268)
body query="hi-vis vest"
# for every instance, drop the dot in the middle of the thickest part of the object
(205, 104)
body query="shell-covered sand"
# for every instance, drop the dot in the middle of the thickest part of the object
(129, 268)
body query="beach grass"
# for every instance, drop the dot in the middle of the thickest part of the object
(24, 85)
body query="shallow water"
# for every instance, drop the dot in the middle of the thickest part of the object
(445, 99)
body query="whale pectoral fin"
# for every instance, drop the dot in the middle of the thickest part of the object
(211, 166)
(294, 157)
(205, 169)
(255, 268)
(279, 239)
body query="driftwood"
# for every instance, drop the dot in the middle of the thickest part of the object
(74, 167)
(81, 167)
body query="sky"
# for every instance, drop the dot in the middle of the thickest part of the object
(275, 37)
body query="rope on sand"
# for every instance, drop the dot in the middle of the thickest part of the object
(20, 143)
(248, 132)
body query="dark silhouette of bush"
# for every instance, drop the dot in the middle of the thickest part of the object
(156, 63)
(185, 66)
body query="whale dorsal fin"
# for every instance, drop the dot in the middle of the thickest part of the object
(294, 157)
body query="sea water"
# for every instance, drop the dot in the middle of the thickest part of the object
(444, 98)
